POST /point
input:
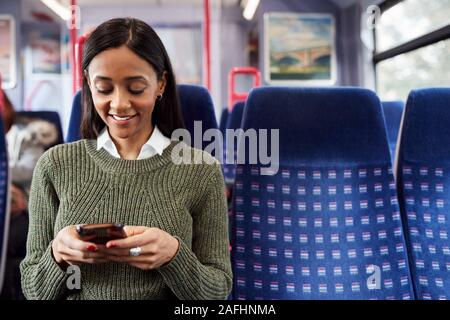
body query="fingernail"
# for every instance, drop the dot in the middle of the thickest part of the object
(92, 248)
(112, 245)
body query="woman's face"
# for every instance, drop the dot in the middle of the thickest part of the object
(124, 89)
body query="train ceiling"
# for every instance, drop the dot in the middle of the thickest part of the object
(35, 9)
(339, 3)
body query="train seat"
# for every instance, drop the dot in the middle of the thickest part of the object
(50, 116)
(197, 105)
(223, 120)
(393, 111)
(233, 122)
(423, 173)
(4, 204)
(327, 224)
(74, 130)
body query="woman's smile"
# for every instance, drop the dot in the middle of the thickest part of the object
(121, 119)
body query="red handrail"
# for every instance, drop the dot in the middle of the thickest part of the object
(233, 96)
(73, 39)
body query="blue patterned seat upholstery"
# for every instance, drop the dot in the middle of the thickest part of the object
(4, 207)
(393, 111)
(234, 122)
(327, 225)
(423, 173)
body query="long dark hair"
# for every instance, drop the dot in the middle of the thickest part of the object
(140, 38)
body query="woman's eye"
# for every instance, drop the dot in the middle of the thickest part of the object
(136, 92)
(104, 91)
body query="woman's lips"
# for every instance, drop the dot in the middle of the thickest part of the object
(122, 120)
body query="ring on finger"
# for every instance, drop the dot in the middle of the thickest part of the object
(135, 252)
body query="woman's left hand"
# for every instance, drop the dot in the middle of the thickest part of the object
(157, 247)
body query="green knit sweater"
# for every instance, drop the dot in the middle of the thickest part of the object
(75, 183)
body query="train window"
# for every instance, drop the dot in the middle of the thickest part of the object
(410, 19)
(412, 46)
(425, 67)
(184, 46)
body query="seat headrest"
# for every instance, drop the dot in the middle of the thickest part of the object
(50, 116)
(321, 126)
(393, 109)
(223, 120)
(235, 118)
(426, 126)
(74, 130)
(197, 105)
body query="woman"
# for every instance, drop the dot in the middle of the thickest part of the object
(122, 172)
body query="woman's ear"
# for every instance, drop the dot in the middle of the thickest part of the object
(86, 75)
(163, 82)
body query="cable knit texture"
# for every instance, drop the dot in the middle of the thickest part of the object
(75, 183)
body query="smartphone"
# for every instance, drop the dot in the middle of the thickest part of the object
(101, 233)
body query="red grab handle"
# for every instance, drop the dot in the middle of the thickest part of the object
(233, 96)
(78, 57)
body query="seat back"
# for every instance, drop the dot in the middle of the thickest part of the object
(234, 122)
(4, 204)
(74, 131)
(196, 105)
(327, 224)
(423, 178)
(223, 121)
(50, 116)
(393, 111)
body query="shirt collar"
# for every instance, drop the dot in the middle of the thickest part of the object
(104, 141)
(157, 141)
(155, 144)
(103, 138)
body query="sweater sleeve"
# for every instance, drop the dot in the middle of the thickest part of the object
(42, 278)
(204, 272)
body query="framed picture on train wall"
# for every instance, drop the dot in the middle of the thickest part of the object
(299, 49)
(43, 50)
(7, 51)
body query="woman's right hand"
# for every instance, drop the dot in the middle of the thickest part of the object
(68, 248)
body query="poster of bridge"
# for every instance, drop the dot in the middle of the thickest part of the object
(299, 49)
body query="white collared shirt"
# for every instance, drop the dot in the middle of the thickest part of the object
(155, 144)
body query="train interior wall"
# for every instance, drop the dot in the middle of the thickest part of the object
(232, 40)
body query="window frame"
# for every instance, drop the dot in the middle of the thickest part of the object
(425, 40)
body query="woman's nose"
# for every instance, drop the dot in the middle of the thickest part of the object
(120, 101)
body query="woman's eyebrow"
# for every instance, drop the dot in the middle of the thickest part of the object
(102, 78)
(135, 78)
(132, 78)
